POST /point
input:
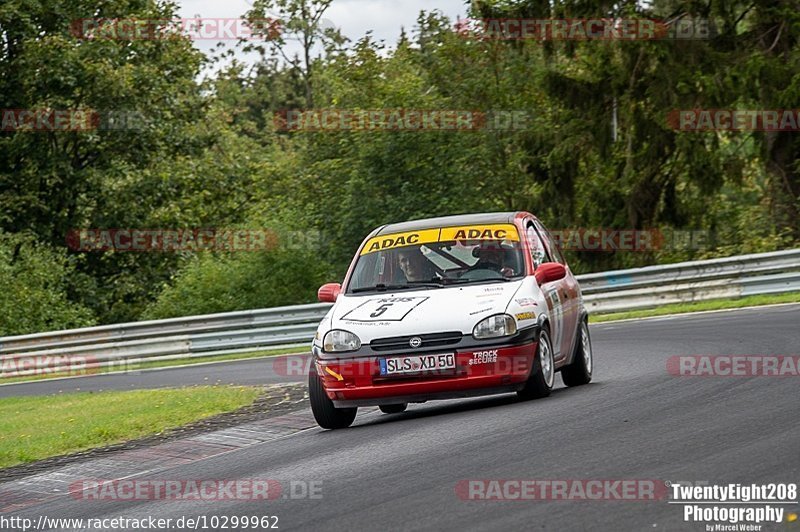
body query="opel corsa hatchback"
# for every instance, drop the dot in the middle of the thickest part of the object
(446, 308)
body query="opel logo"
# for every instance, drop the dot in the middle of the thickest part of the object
(415, 342)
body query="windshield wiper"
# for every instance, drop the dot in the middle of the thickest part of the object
(435, 282)
(380, 287)
(492, 280)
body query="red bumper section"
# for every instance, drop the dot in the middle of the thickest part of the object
(358, 381)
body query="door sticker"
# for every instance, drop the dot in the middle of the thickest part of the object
(557, 313)
(384, 309)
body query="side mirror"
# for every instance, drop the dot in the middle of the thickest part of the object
(549, 272)
(328, 293)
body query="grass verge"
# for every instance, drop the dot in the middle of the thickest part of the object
(34, 428)
(715, 304)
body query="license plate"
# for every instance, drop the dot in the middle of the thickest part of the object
(416, 364)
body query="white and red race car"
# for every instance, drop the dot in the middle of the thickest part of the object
(445, 308)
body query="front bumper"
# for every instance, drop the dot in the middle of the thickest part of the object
(479, 371)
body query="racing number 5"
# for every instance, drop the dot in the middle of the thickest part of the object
(381, 309)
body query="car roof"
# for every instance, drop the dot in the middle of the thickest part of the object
(448, 221)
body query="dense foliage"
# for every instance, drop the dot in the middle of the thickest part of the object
(597, 150)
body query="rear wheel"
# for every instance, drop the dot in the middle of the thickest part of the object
(327, 415)
(580, 371)
(393, 409)
(543, 374)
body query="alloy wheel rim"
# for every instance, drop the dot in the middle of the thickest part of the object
(586, 346)
(547, 363)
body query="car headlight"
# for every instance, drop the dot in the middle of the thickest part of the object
(338, 341)
(495, 326)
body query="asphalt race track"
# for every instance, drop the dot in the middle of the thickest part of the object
(635, 421)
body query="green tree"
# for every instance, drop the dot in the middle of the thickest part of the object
(300, 21)
(34, 280)
(289, 274)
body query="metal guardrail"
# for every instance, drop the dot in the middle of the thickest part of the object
(730, 277)
(121, 345)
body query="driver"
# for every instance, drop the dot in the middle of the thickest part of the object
(414, 265)
(491, 257)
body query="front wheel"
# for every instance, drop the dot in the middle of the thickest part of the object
(327, 415)
(580, 371)
(543, 373)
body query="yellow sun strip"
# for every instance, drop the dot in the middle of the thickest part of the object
(445, 234)
(480, 232)
(399, 240)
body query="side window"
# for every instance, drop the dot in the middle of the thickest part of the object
(552, 244)
(536, 247)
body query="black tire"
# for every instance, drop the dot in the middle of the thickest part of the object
(539, 385)
(580, 371)
(327, 415)
(393, 409)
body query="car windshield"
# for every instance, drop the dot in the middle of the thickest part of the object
(434, 258)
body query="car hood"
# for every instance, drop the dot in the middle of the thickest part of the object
(406, 312)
